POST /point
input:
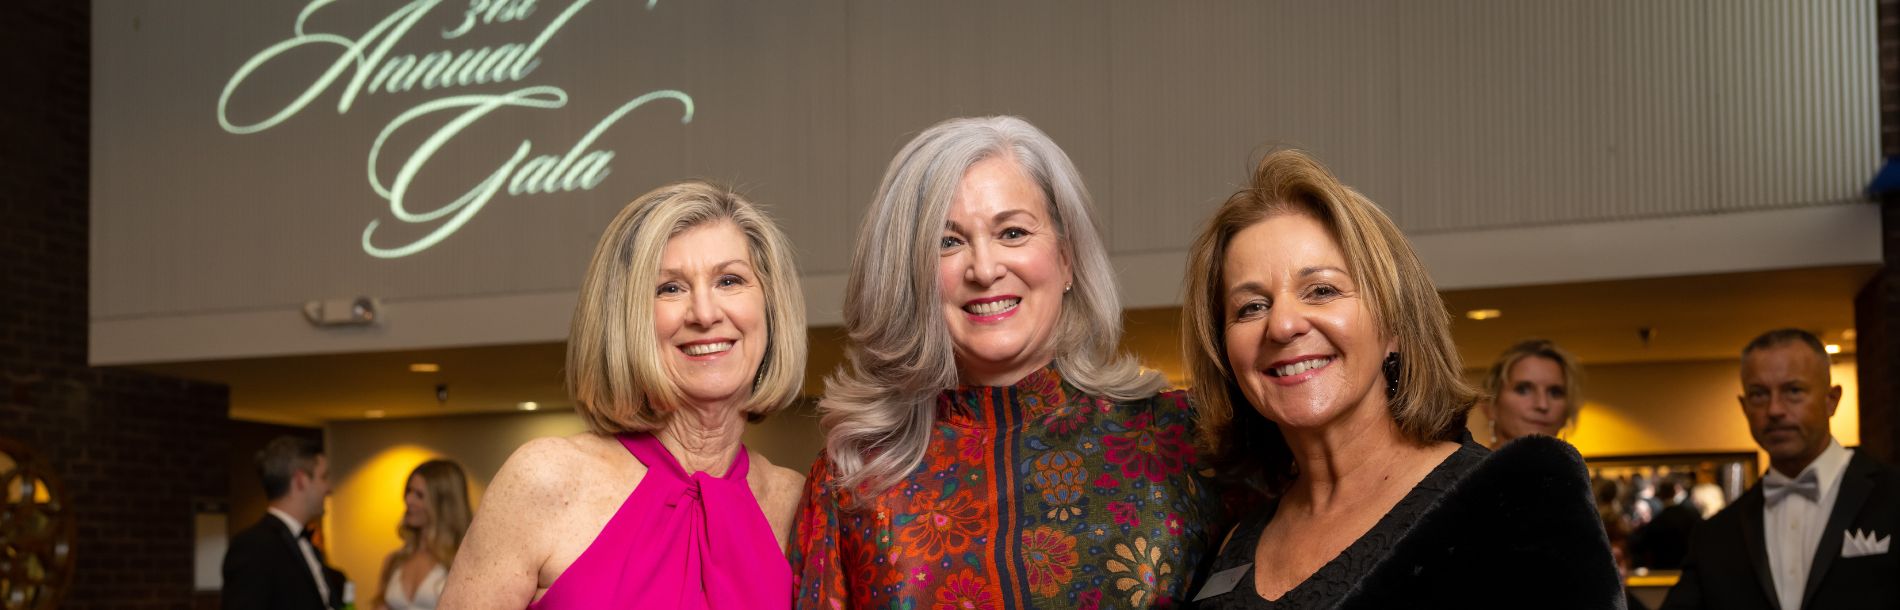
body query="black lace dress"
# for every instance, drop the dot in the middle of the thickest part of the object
(1328, 586)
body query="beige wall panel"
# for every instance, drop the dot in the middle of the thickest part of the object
(1457, 116)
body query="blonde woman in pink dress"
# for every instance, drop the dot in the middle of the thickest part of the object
(690, 324)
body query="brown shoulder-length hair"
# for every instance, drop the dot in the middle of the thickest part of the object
(1432, 399)
(615, 374)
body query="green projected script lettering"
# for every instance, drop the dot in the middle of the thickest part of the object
(372, 69)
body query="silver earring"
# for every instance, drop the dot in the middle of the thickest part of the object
(1066, 287)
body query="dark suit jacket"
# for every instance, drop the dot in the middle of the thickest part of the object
(1728, 558)
(1662, 543)
(264, 570)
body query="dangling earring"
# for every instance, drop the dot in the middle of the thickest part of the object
(1391, 375)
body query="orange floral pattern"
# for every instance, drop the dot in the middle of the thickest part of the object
(1029, 496)
(1049, 555)
(964, 591)
(943, 526)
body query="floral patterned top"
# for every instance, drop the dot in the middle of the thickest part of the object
(1029, 496)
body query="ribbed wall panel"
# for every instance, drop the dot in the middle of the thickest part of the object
(1453, 114)
(1535, 113)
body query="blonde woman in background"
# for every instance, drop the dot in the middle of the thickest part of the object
(1532, 388)
(434, 519)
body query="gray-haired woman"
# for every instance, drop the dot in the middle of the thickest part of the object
(987, 444)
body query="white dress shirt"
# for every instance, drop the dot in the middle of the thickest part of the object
(1792, 528)
(309, 553)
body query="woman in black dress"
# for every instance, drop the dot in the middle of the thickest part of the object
(1327, 378)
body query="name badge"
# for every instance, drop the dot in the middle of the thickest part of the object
(1223, 581)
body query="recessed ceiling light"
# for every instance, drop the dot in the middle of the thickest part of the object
(1848, 335)
(528, 406)
(373, 414)
(424, 367)
(1484, 314)
(1833, 349)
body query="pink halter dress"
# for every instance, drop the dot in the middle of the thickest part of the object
(679, 541)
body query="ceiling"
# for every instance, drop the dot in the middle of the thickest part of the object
(1708, 317)
(1705, 317)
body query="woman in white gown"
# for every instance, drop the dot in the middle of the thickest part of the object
(434, 520)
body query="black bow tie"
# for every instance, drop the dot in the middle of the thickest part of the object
(306, 533)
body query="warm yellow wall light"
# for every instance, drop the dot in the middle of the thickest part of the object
(365, 507)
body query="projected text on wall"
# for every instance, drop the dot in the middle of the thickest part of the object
(365, 65)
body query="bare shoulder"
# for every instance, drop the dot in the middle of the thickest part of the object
(553, 468)
(542, 463)
(583, 446)
(548, 501)
(594, 448)
(777, 487)
(778, 490)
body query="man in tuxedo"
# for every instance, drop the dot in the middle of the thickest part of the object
(1816, 532)
(273, 565)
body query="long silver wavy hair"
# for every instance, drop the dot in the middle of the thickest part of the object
(880, 405)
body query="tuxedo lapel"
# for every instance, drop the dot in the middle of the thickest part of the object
(1750, 507)
(333, 585)
(1856, 485)
(289, 539)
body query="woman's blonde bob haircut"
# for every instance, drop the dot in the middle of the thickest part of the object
(1496, 378)
(880, 406)
(615, 372)
(1432, 398)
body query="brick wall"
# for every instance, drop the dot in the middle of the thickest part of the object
(1877, 307)
(135, 451)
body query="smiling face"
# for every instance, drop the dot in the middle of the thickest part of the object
(415, 503)
(1535, 399)
(1788, 398)
(709, 313)
(1300, 339)
(1001, 275)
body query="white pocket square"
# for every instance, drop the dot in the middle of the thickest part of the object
(1856, 543)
